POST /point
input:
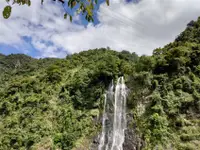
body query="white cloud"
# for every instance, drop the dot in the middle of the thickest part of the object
(139, 27)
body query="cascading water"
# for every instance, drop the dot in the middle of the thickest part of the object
(119, 124)
(102, 138)
(114, 118)
(107, 120)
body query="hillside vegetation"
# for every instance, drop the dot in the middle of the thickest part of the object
(57, 103)
(54, 102)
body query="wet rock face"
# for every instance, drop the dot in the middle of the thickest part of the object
(131, 142)
(95, 143)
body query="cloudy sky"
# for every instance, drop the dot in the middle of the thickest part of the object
(41, 31)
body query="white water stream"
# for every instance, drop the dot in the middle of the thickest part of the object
(114, 117)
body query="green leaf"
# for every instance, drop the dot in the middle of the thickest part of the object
(23, 2)
(78, 11)
(91, 6)
(7, 12)
(65, 16)
(29, 3)
(70, 18)
(89, 11)
(69, 3)
(107, 2)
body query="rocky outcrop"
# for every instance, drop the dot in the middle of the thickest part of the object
(95, 143)
(132, 140)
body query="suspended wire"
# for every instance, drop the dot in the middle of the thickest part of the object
(126, 25)
(121, 40)
(125, 29)
(122, 21)
(125, 17)
(63, 4)
(130, 23)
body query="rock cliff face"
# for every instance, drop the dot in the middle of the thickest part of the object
(95, 143)
(132, 140)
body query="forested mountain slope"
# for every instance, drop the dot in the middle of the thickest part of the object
(166, 95)
(57, 103)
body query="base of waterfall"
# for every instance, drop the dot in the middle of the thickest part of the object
(132, 140)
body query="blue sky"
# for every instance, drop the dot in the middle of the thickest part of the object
(9, 49)
(32, 51)
(132, 25)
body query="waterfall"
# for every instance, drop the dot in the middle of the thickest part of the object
(105, 138)
(119, 123)
(114, 117)
(102, 138)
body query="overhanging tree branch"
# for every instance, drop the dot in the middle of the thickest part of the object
(86, 7)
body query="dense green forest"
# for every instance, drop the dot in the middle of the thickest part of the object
(57, 103)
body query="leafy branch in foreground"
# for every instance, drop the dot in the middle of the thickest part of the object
(84, 7)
